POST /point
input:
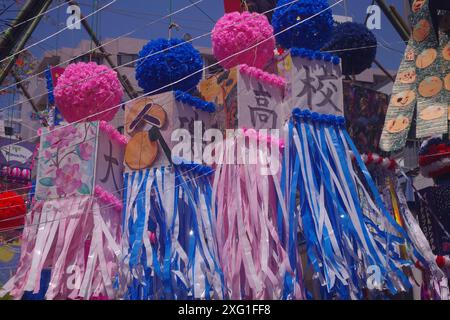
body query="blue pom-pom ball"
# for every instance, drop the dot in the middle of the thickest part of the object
(158, 70)
(347, 38)
(313, 33)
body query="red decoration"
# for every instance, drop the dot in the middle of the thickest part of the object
(232, 5)
(12, 210)
(56, 73)
(442, 262)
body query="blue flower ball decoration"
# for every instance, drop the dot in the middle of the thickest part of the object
(312, 33)
(156, 71)
(355, 45)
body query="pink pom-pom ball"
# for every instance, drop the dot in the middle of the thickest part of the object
(88, 92)
(235, 32)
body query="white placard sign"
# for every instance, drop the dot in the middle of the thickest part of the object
(260, 105)
(317, 85)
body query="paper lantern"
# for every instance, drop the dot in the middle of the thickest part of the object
(235, 32)
(164, 62)
(355, 45)
(312, 33)
(15, 172)
(25, 174)
(12, 210)
(88, 92)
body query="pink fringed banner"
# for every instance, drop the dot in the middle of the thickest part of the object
(55, 236)
(254, 260)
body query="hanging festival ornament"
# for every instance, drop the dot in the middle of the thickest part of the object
(88, 92)
(256, 235)
(168, 243)
(434, 158)
(74, 225)
(315, 30)
(25, 174)
(167, 65)
(327, 195)
(343, 237)
(434, 204)
(24, 66)
(169, 236)
(422, 85)
(236, 32)
(12, 211)
(355, 44)
(15, 172)
(389, 177)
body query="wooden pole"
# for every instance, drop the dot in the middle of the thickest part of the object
(393, 19)
(21, 42)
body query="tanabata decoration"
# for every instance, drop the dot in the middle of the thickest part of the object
(156, 124)
(12, 211)
(24, 66)
(260, 99)
(422, 86)
(88, 92)
(256, 235)
(221, 89)
(168, 242)
(74, 225)
(236, 32)
(313, 33)
(434, 204)
(167, 65)
(314, 80)
(434, 158)
(257, 246)
(386, 173)
(344, 239)
(259, 94)
(169, 235)
(355, 44)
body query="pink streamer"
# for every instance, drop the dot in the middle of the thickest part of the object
(252, 257)
(59, 243)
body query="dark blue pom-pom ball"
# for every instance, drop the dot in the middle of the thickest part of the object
(355, 45)
(155, 71)
(312, 33)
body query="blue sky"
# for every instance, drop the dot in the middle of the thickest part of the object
(128, 15)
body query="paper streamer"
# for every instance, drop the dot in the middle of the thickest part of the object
(256, 236)
(169, 236)
(346, 240)
(386, 177)
(55, 236)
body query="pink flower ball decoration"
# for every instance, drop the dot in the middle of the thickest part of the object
(88, 92)
(235, 32)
